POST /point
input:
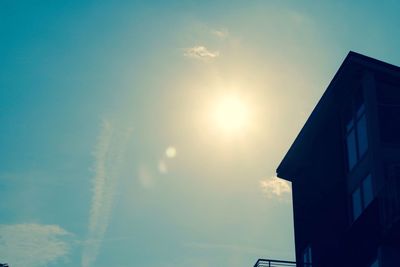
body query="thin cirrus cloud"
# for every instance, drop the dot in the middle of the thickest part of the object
(33, 245)
(220, 33)
(200, 52)
(109, 154)
(275, 187)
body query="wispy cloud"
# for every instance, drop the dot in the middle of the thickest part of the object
(275, 187)
(220, 33)
(200, 52)
(109, 154)
(32, 245)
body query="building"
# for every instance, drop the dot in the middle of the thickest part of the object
(344, 167)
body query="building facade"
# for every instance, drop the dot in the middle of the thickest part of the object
(344, 167)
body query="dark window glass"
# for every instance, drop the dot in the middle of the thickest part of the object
(368, 195)
(356, 131)
(360, 111)
(362, 136)
(358, 100)
(362, 196)
(307, 257)
(350, 125)
(351, 149)
(357, 203)
(375, 263)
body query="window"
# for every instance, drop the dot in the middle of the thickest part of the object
(362, 196)
(368, 195)
(375, 263)
(307, 257)
(357, 203)
(356, 133)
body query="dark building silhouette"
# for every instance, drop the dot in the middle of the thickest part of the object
(345, 170)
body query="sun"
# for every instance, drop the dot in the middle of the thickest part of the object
(231, 115)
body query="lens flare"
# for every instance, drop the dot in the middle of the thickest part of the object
(170, 152)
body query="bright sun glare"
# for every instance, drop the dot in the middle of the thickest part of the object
(231, 115)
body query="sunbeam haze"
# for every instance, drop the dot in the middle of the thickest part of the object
(148, 133)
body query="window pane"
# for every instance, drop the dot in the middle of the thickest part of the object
(307, 258)
(349, 125)
(367, 190)
(375, 263)
(362, 136)
(359, 100)
(360, 110)
(351, 149)
(356, 197)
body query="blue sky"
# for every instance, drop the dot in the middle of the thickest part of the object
(111, 150)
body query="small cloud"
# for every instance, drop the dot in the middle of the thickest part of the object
(162, 167)
(275, 187)
(170, 152)
(32, 245)
(220, 33)
(200, 52)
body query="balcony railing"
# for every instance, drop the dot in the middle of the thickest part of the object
(274, 263)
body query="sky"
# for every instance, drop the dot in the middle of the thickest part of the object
(147, 133)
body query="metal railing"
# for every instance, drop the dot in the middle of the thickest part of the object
(274, 263)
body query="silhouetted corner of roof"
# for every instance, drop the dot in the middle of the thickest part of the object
(294, 158)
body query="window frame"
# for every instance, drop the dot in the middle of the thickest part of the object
(352, 131)
(356, 195)
(307, 256)
(364, 203)
(375, 263)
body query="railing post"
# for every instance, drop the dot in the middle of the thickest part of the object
(274, 263)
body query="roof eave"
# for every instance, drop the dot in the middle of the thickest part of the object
(294, 158)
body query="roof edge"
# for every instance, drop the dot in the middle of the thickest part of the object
(284, 170)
